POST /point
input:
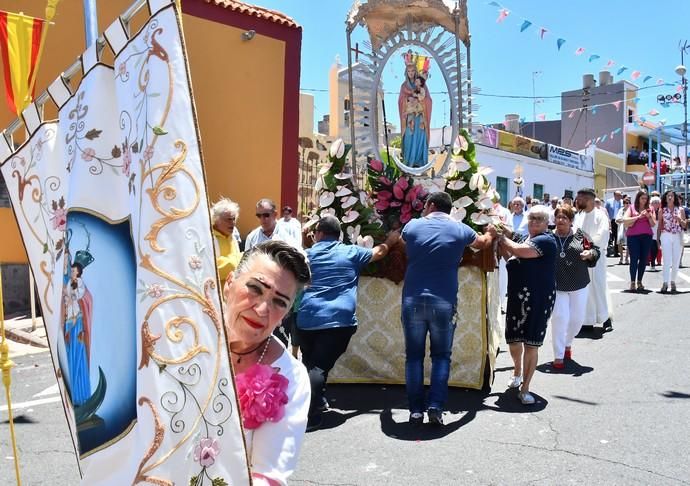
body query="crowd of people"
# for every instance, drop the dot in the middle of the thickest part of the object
(294, 285)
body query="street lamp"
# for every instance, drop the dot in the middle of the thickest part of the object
(680, 71)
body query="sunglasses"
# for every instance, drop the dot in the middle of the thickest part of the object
(263, 215)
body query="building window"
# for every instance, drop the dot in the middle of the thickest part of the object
(4, 195)
(502, 189)
(538, 192)
(346, 104)
(631, 114)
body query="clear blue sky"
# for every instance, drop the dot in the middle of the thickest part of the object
(641, 35)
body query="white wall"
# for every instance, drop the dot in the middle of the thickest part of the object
(556, 179)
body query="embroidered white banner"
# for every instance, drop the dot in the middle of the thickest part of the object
(112, 208)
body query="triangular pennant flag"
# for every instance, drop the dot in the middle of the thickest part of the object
(571, 114)
(495, 4)
(621, 69)
(579, 51)
(617, 104)
(618, 130)
(610, 63)
(679, 89)
(604, 137)
(646, 78)
(525, 25)
(594, 111)
(636, 100)
(612, 134)
(559, 43)
(589, 142)
(502, 14)
(653, 112)
(593, 57)
(662, 122)
(659, 81)
(542, 32)
(635, 74)
(643, 119)
(541, 116)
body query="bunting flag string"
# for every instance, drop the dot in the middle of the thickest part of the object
(503, 13)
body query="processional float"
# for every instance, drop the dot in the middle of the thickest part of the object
(111, 203)
(416, 36)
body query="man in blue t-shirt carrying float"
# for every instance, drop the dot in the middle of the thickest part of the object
(435, 244)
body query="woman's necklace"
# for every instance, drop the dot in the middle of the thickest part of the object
(562, 243)
(264, 344)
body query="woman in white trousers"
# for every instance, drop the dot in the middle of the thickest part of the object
(575, 254)
(672, 222)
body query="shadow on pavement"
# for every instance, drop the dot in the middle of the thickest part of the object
(352, 400)
(572, 368)
(675, 394)
(576, 400)
(20, 419)
(590, 332)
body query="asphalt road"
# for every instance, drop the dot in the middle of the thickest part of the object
(618, 415)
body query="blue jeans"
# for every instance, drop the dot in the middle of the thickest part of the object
(638, 249)
(432, 315)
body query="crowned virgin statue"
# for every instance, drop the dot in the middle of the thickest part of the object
(414, 104)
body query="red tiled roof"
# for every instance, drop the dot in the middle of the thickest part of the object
(256, 11)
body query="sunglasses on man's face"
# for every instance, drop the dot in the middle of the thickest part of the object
(263, 215)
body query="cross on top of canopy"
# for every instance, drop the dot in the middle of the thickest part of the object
(383, 18)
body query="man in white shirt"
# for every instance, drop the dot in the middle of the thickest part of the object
(518, 220)
(552, 210)
(268, 228)
(291, 227)
(595, 224)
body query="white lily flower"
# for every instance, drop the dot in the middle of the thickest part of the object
(326, 199)
(350, 216)
(343, 175)
(363, 198)
(365, 241)
(318, 185)
(478, 179)
(460, 144)
(337, 148)
(348, 201)
(456, 185)
(484, 203)
(458, 163)
(353, 232)
(480, 218)
(342, 191)
(327, 212)
(458, 214)
(463, 202)
(325, 168)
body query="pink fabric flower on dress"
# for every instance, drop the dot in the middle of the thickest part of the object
(126, 162)
(59, 219)
(206, 451)
(262, 395)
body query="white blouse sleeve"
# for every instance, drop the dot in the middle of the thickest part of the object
(275, 446)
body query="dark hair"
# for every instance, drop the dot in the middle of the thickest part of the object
(441, 200)
(287, 257)
(79, 267)
(639, 194)
(566, 210)
(676, 199)
(422, 80)
(329, 226)
(287, 208)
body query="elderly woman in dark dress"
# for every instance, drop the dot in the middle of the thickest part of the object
(531, 295)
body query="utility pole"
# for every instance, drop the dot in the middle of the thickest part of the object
(681, 71)
(534, 102)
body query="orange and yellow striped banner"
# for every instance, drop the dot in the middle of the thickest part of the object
(20, 44)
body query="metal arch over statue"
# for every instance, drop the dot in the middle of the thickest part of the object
(438, 27)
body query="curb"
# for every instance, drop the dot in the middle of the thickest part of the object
(23, 337)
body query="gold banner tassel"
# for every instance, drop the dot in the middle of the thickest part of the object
(6, 365)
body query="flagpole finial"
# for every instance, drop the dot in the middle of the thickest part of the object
(51, 7)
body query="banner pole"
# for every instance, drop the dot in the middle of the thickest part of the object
(32, 294)
(6, 366)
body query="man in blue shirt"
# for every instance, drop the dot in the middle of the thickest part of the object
(612, 206)
(435, 244)
(326, 317)
(518, 220)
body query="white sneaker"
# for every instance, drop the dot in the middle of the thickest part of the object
(526, 398)
(515, 382)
